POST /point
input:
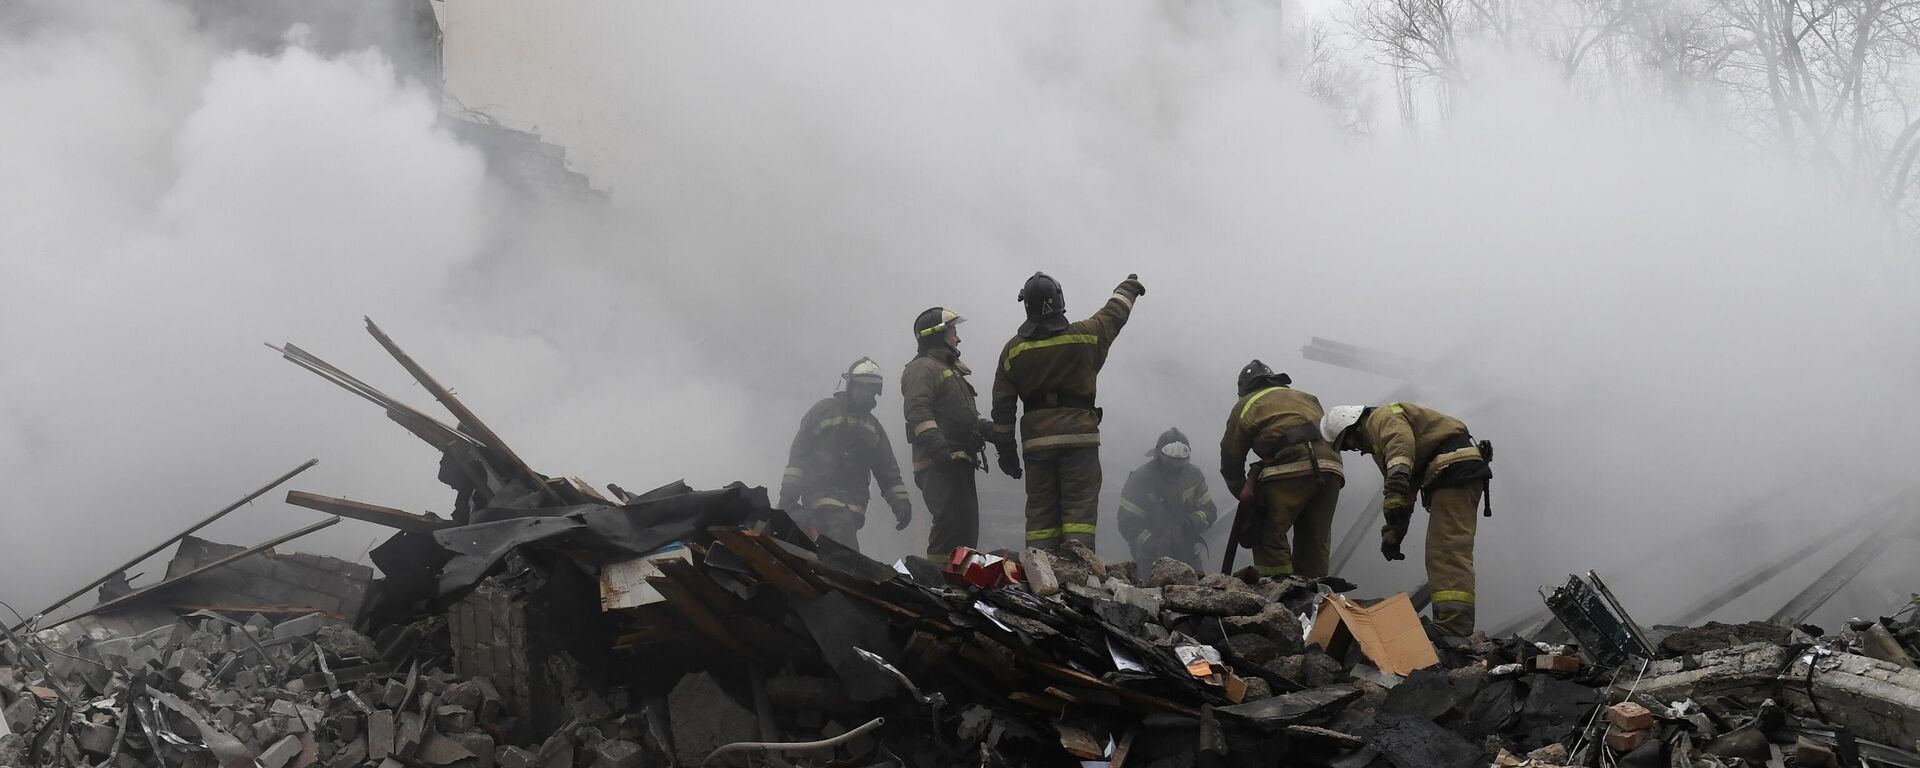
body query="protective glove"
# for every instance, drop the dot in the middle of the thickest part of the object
(1197, 525)
(1131, 287)
(788, 501)
(1009, 460)
(931, 442)
(1399, 514)
(902, 513)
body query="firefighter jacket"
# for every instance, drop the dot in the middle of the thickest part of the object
(1425, 441)
(1280, 425)
(942, 414)
(833, 454)
(1159, 499)
(1056, 379)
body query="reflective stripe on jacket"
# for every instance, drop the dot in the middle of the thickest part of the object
(1156, 499)
(1260, 422)
(937, 395)
(1405, 434)
(1057, 379)
(834, 452)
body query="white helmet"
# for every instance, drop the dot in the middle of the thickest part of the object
(864, 371)
(1338, 420)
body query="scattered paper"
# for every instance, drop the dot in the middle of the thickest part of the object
(992, 614)
(1123, 662)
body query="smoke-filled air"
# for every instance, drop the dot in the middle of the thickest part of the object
(1678, 301)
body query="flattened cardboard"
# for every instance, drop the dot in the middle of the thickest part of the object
(1388, 633)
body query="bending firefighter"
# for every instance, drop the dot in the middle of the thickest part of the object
(1165, 509)
(1415, 444)
(948, 434)
(1294, 484)
(839, 444)
(1052, 369)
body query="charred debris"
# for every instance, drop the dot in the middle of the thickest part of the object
(546, 624)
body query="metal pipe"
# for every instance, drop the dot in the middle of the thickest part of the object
(169, 542)
(221, 563)
(798, 746)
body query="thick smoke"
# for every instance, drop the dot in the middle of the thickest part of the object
(1668, 333)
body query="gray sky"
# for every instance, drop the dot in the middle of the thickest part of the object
(1656, 323)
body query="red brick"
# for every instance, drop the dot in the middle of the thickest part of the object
(1630, 716)
(1552, 663)
(1626, 741)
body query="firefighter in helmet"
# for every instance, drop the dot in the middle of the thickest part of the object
(839, 445)
(1165, 508)
(1419, 448)
(1051, 369)
(1295, 483)
(943, 420)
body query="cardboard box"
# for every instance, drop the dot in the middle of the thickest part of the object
(1387, 633)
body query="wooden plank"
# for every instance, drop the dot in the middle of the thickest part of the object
(1119, 759)
(425, 427)
(172, 580)
(581, 487)
(764, 562)
(859, 592)
(468, 419)
(699, 615)
(1047, 704)
(772, 641)
(1135, 698)
(779, 550)
(368, 513)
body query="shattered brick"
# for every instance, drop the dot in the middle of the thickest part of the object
(1620, 740)
(281, 753)
(380, 733)
(617, 753)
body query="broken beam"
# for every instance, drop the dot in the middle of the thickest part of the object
(368, 513)
(468, 419)
(176, 537)
(221, 563)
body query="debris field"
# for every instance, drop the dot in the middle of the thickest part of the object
(547, 624)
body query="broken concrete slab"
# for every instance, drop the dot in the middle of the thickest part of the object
(1167, 571)
(1210, 601)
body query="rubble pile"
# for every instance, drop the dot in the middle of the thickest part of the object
(545, 625)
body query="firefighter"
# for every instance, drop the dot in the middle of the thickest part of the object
(1420, 448)
(1051, 369)
(839, 444)
(1165, 509)
(1298, 480)
(948, 435)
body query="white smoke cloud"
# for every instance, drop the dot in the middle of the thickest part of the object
(1654, 322)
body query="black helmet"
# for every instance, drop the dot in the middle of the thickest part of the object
(931, 325)
(1046, 306)
(1257, 376)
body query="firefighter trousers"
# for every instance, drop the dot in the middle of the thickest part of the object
(954, 503)
(1304, 507)
(1452, 520)
(1063, 496)
(837, 521)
